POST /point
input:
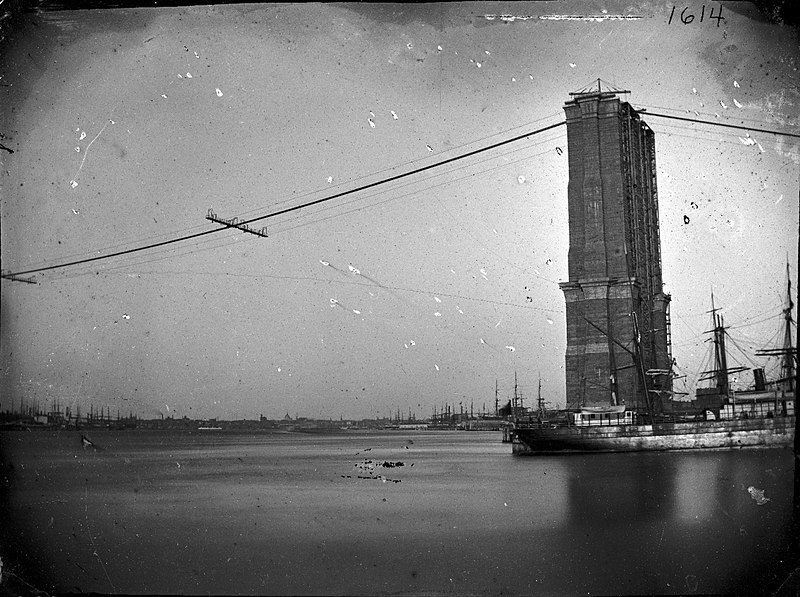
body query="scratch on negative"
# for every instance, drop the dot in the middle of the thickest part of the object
(597, 18)
(91, 538)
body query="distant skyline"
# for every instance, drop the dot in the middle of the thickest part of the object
(128, 125)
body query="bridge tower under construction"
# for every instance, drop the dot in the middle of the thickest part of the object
(618, 337)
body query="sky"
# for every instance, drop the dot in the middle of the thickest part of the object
(127, 126)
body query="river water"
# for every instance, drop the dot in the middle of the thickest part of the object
(451, 513)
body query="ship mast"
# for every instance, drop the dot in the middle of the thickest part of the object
(788, 351)
(720, 371)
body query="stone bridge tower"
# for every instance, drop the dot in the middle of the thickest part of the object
(618, 338)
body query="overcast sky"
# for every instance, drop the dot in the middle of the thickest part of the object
(128, 125)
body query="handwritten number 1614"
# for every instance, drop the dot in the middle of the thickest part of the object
(688, 18)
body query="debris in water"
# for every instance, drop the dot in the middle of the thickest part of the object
(324, 262)
(694, 90)
(394, 115)
(83, 135)
(330, 179)
(736, 103)
(429, 147)
(511, 348)
(437, 314)
(559, 151)
(371, 123)
(721, 103)
(757, 495)
(219, 92)
(736, 84)
(188, 75)
(355, 270)
(437, 367)
(572, 65)
(521, 179)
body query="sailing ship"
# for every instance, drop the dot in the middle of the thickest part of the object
(718, 418)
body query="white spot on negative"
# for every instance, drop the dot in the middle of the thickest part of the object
(736, 84)
(188, 75)
(125, 316)
(394, 115)
(330, 179)
(721, 103)
(356, 312)
(355, 270)
(371, 124)
(429, 147)
(324, 262)
(78, 149)
(439, 48)
(83, 135)
(437, 367)
(73, 183)
(437, 299)
(521, 179)
(511, 348)
(437, 314)
(219, 92)
(164, 96)
(738, 105)
(572, 65)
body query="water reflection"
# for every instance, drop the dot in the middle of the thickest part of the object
(280, 515)
(683, 522)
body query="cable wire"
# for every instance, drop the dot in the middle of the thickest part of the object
(293, 208)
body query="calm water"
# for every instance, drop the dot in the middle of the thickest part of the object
(217, 512)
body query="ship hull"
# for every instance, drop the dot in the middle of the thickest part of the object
(694, 435)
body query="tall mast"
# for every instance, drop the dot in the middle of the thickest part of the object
(787, 369)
